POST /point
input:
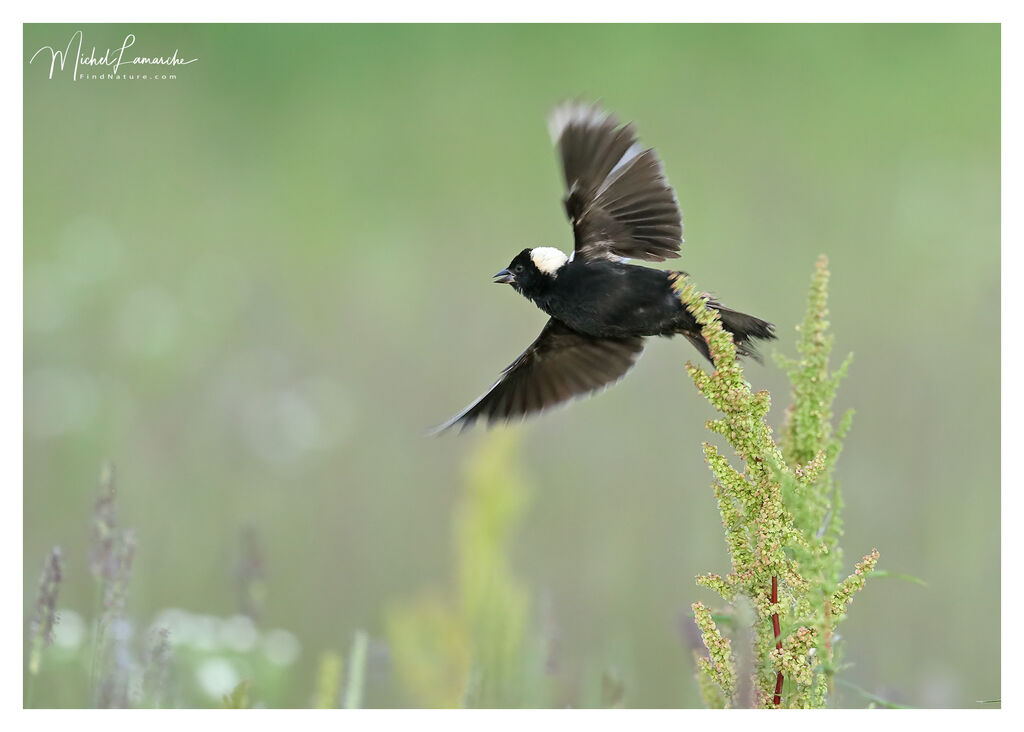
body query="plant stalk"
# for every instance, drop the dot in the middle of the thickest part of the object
(777, 699)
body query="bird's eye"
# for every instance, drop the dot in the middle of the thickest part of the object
(518, 268)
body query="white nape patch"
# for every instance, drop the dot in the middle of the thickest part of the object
(548, 259)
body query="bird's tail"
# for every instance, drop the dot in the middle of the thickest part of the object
(744, 328)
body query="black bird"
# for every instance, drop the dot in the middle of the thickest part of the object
(621, 207)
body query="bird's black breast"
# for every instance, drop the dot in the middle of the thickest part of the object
(612, 300)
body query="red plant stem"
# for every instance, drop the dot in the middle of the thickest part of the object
(777, 699)
(828, 630)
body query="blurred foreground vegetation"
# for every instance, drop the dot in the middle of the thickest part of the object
(483, 642)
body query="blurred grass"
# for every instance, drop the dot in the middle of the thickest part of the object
(473, 648)
(254, 287)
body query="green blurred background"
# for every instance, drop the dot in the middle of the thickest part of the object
(255, 286)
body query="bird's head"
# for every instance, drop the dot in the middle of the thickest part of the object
(532, 269)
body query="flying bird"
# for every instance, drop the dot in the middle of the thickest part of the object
(601, 308)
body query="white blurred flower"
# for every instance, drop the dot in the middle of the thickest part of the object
(217, 676)
(281, 647)
(178, 624)
(239, 633)
(69, 632)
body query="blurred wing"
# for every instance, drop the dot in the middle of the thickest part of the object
(616, 194)
(558, 366)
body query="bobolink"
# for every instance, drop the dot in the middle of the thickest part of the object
(621, 207)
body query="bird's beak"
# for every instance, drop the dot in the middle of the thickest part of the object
(504, 277)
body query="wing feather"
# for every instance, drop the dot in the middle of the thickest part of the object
(616, 195)
(559, 365)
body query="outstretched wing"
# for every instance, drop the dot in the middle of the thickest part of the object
(558, 366)
(616, 194)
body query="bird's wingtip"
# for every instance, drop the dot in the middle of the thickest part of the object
(439, 429)
(591, 114)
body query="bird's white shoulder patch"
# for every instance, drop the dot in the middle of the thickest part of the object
(548, 259)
